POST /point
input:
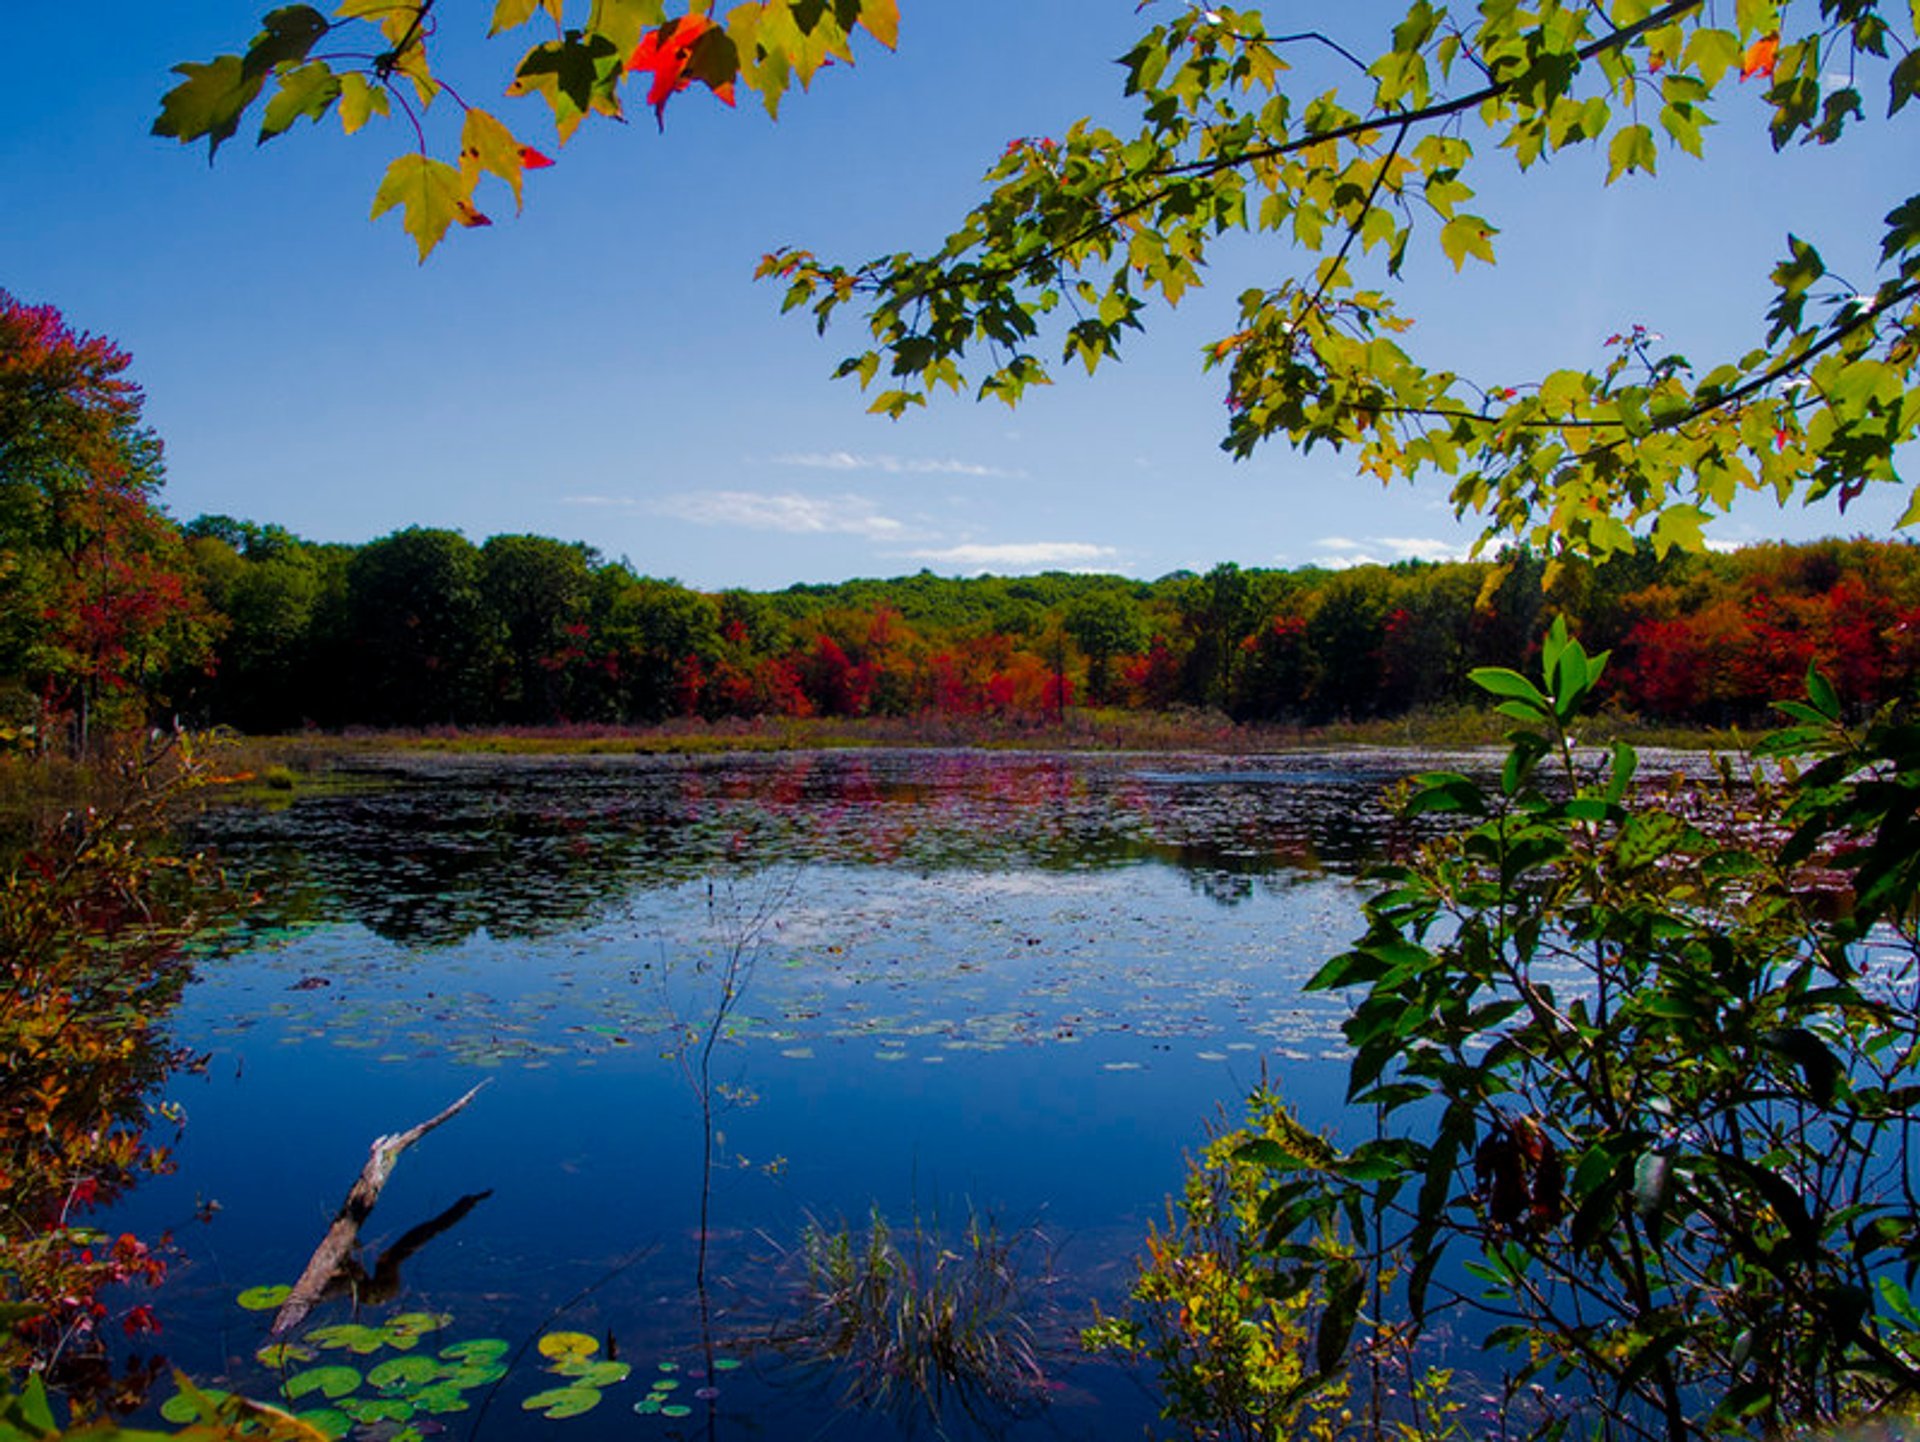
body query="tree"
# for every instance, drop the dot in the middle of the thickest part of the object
(418, 623)
(97, 603)
(1104, 624)
(536, 590)
(1082, 235)
(374, 58)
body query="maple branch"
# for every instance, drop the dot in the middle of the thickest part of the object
(1440, 110)
(1204, 168)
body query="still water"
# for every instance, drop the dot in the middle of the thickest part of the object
(1007, 987)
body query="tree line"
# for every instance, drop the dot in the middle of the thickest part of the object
(425, 628)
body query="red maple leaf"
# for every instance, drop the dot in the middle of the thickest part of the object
(665, 54)
(531, 159)
(1760, 57)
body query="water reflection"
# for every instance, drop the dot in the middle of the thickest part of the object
(528, 847)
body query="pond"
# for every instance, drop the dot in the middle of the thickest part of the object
(944, 988)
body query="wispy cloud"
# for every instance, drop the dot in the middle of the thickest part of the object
(1338, 552)
(888, 465)
(1021, 555)
(787, 511)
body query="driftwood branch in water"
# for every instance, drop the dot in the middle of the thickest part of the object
(335, 1248)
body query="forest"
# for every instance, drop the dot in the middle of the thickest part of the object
(111, 612)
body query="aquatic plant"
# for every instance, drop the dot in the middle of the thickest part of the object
(914, 1322)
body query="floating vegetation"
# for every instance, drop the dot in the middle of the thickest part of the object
(918, 1321)
(264, 1298)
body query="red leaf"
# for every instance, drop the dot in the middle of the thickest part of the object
(666, 53)
(531, 159)
(1760, 57)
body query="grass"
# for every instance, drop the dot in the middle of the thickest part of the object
(917, 1322)
(293, 762)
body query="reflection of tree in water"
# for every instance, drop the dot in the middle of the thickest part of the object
(527, 847)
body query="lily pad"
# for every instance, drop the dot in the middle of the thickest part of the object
(264, 1298)
(377, 1409)
(329, 1382)
(676, 1409)
(278, 1355)
(725, 1364)
(474, 1374)
(479, 1349)
(400, 1373)
(594, 1374)
(416, 1324)
(351, 1336)
(441, 1397)
(183, 1408)
(563, 1402)
(648, 1405)
(664, 1384)
(330, 1420)
(568, 1346)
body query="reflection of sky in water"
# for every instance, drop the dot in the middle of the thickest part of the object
(1016, 983)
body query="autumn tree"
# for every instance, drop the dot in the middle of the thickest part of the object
(97, 605)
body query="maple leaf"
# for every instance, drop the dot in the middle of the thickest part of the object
(464, 212)
(531, 159)
(1760, 57)
(667, 54)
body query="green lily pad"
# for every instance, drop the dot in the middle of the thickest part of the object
(399, 1373)
(278, 1355)
(441, 1397)
(330, 1420)
(474, 1374)
(563, 1402)
(480, 1349)
(664, 1384)
(417, 1324)
(647, 1405)
(264, 1298)
(329, 1382)
(725, 1364)
(568, 1346)
(181, 1408)
(377, 1409)
(351, 1336)
(594, 1374)
(676, 1409)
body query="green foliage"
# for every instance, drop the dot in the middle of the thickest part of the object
(1228, 1323)
(1082, 235)
(1642, 1100)
(374, 57)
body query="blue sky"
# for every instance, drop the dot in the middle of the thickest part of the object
(603, 368)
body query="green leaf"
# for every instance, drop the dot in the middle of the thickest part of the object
(208, 103)
(431, 193)
(288, 34)
(307, 90)
(1467, 235)
(400, 1372)
(264, 1298)
(360, 101)
(487, 145)
(1631, 150)
(1500, 681)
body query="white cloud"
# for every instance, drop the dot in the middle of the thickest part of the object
(1021, 555)
(1339, 552)
(797, 515)
(888, 465)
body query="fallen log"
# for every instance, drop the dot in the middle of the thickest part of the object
(330, 1257)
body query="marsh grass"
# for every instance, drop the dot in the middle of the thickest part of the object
(916, 1322)
(310, 757)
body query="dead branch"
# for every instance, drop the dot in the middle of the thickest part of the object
(330, 1257)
